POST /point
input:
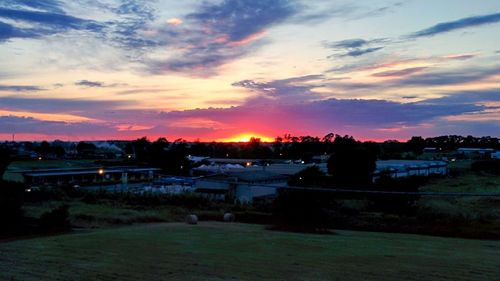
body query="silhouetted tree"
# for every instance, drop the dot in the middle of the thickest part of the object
(311, 176)
(416, 145)
(352, 167)
(86, 149)
(5, 160)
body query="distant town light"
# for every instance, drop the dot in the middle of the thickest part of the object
(39, 157)
(248, 164)
(129, 156)
(101, 171)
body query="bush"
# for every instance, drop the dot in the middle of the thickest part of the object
(489, 166)
(352, 167)
(11, 201)
(57, 218)
(311, 176)
(405, 204)
(305, 210)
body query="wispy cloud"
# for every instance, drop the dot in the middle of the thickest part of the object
(399, 72)
(19, 88)
(38, 18)
(53, 6)
(295, 88)
(308, 14)
(457, 24)
(217, 33)
(87, 83)
(355, 47)
(51, 105)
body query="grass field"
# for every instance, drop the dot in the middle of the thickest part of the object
(481, 213)
(217, 251)
(16, 166)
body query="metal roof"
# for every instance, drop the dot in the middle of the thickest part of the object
(65, 172)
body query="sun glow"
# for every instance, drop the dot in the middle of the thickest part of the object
(245, 137)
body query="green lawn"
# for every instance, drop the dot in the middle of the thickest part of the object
(217, 251)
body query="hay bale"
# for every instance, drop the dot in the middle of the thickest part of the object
(229, 217)
(192, 219)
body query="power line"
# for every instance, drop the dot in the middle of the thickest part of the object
(368, 192)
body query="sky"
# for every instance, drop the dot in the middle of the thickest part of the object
(227, 70)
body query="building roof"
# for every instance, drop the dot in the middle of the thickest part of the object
(405, 165)
(69, 172)
(256, 176)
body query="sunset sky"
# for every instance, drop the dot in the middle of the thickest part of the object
(226, 70)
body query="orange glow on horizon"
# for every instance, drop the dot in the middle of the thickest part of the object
(245, 137)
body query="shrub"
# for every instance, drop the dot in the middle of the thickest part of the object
(489, 166)
(405, 204)
(303, 209)
(11, 200)
(57, 218)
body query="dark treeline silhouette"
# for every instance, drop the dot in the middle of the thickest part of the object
(345, 152)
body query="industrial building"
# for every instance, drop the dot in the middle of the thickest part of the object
(85, 176)
(408, 168)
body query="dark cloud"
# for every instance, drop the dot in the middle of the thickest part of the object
(8, 31)
(217, 33)
(134, 16)
(456, 25)
(53, 6)
(381, 63)
(239, 19)
(461, 76)
(48, 105)
(296, 88)
(467, 97)
(44, 23)
(60, 21)
(17, 88)
(98, 84)
(360, 52)
(311, 15)
(349, 43)
(410, 78)
(352, 116)
(30, 125)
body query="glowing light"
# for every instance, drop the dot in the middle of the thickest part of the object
(101, 171)
(246, 137)
(174, 21)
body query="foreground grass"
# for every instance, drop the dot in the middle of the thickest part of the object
(106, 213)
(217, 251)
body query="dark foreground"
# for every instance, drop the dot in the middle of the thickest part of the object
(218, 251)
